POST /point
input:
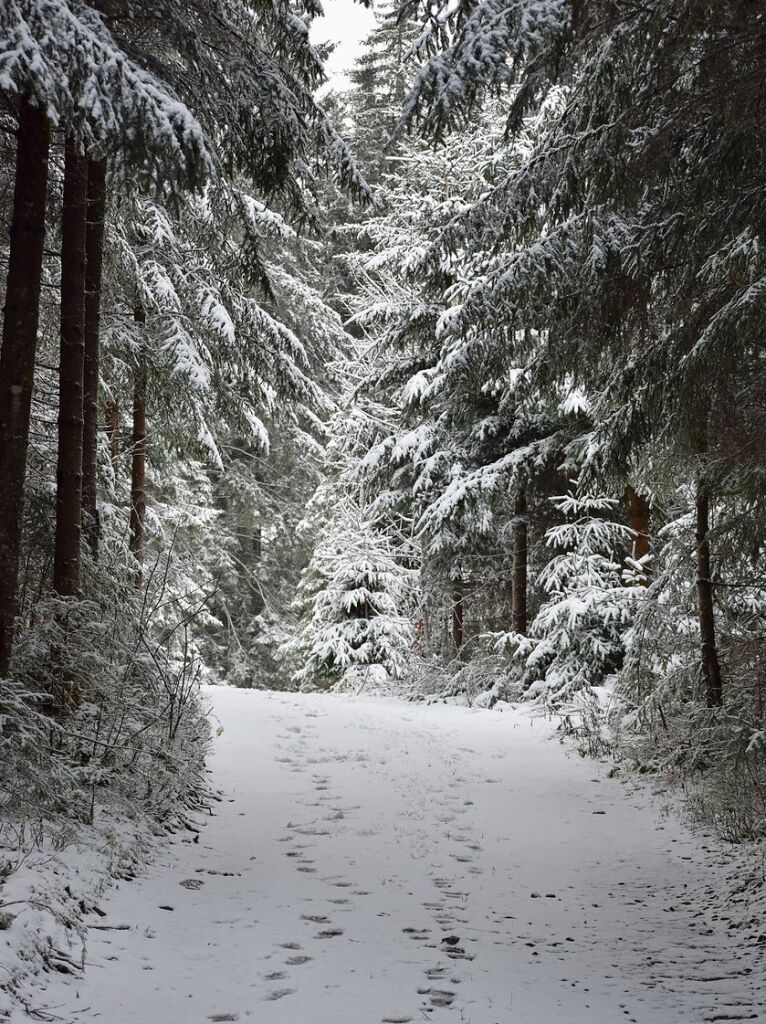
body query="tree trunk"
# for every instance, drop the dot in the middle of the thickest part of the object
(66, 563)
(17, 356)
(457, 620)
(710, 666)
(94, 258)
(258, 603)
(638, 520)
(138, 461)
(112, 425)
(519, 595)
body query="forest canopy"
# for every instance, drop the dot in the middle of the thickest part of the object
(449, 382)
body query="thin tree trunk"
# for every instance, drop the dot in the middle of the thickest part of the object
(111, 427)
(17, 356)
(257, 541)
(710, 665)
(66, 563)
(258, 603)
(520, 554)
(638, 520)
(138, 461)
(457, 620)
(94, 253)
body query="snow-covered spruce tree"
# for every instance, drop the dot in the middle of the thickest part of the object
(626, 235)
(474, 448)
(659, 712)
(630, 236)
(210, 329)
(58, 65)
(238, 380)
(354, 598)
(577, 639)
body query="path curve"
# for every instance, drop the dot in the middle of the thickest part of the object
(374, 861)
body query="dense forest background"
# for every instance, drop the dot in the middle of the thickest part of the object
(478, 411)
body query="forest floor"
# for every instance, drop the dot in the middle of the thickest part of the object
(376, 861)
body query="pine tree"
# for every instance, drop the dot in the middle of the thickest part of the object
(628, 236)
(576, 640)
(354, 598)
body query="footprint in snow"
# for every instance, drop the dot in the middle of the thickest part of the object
(278, 993)
(296, 961)
(223, 1016)
(435, 972)
(442, 997)
(192, 883)
(330, 933)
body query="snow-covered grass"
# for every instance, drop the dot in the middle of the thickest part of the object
(380, 861)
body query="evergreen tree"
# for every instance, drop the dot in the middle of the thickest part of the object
(354, 600)
(629, 233)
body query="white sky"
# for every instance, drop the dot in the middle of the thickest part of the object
(346, 23)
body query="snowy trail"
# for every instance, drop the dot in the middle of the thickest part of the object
(374, 861)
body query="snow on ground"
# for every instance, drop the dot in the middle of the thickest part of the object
(375, 861)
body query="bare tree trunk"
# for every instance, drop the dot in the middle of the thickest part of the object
(257, 540)
(66, 562)
(258, 603)
(520, 554)
(705, 606)
(457, 619)
(94, 253)
(138, 461)
(111, 427)
(638, 520)
(17, 356)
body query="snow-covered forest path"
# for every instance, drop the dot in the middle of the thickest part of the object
(375, 861)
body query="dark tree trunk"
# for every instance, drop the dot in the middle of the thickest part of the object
(519, 595)
(66, 563)
(638, 520)
(138, 460)
(457, 620)
(257, 542)
(705, 606)
(94, 258)
(17, 356)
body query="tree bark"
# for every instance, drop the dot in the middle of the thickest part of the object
(710, 666)
(94, 258)
(638, 520)
(66, 562)
(111, 427)
(138, 461)
(520, 554)
(457, 620)
(17, 356)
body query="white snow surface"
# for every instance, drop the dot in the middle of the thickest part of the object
(377, 861)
